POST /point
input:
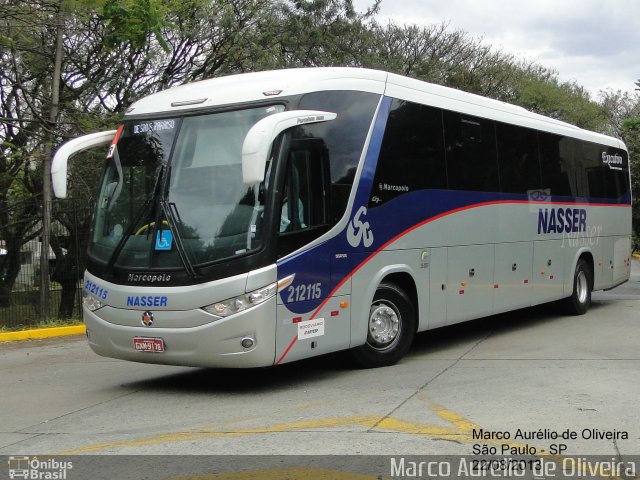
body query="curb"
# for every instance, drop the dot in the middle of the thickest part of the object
(43, 333)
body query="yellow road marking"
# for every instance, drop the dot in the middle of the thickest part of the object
(460, 430)
(196, 435)
(436, 431)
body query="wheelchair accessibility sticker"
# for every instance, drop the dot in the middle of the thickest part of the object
(164, 240)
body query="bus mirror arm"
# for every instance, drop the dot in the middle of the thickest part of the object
(257, 142)
(68, 150)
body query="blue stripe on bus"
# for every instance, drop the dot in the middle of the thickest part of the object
(390, 222)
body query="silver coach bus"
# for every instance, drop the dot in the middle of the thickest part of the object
(262, 218)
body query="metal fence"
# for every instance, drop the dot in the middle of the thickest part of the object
(20, 252)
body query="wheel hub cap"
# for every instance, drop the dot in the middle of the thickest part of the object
(582, 287)
(384, 325)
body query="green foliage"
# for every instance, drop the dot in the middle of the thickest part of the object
(566, 101)
(632, 125)
(37, 323)
(623, 121)
(133, 21)
(631, 134)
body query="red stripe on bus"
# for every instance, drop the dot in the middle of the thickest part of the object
(284, 354)
(116, 137)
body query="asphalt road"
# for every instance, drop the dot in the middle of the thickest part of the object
(528, 373)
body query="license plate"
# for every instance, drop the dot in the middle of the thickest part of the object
(145, 344)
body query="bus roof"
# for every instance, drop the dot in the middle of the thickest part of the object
(250, 87)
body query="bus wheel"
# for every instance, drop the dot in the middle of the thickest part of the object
(580, 300)
(390, 329)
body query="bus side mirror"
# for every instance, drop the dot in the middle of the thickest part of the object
(257, 142)
(69, 149)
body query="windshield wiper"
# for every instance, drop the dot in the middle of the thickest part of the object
(171, 212)
(136, 220)
(127, 234)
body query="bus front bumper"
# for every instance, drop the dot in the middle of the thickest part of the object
(213, 344)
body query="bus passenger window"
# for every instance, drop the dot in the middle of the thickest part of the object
(470, 146)
(518, 159)
(412, 153)
(558, 165)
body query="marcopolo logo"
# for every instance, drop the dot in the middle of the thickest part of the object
(393, 188)
(312, 119)
(33, 468)
(359, 231)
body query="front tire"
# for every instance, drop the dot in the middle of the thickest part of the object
(580, 300)
(391, 328)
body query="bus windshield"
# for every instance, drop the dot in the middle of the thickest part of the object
(172, 193)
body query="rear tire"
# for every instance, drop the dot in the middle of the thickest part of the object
(580, 300)
(391, 328)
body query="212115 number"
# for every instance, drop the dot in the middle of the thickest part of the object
(300, 293)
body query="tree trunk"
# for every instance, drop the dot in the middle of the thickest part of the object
(9, 271)
(46, 180)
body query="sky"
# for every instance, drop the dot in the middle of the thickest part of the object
(595, 43)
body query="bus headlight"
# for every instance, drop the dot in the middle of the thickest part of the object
(242, 302)
(92, 303)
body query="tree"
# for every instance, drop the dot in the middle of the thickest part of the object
(623, 121)
(25, 36)
(44, 100)
(631, 135)
(314, 33)
(440, 55)
(566, 101)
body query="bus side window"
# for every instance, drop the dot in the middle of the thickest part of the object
(470, 146)
(557, 164)
(412, 153)
(304, 213)
(605, 180)
(294, 213)
(518, 159)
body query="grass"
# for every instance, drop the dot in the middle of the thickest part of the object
(24, 312)
(48, 324)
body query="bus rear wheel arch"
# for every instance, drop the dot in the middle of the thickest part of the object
(391, 328)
